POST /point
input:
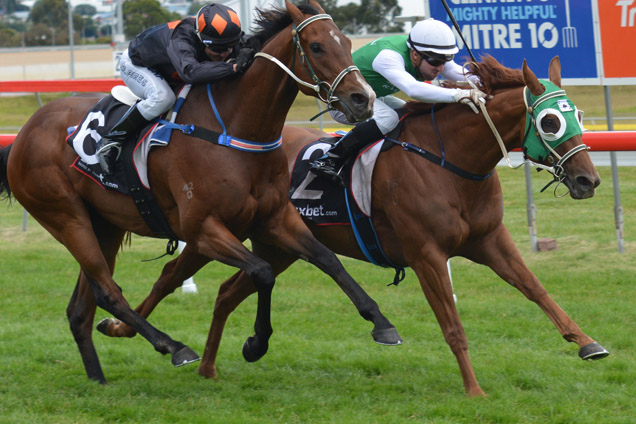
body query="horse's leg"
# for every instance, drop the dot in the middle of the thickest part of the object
(174, 273)
(292, 235)
(231, 293)
(216, 242)
(68, 221)
(432, 273)
(81, 308)
(80, 313)
(499, 252)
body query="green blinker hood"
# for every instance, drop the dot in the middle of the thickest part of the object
(553, 100)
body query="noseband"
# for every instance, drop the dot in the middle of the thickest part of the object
(558, 171)
(320, 85)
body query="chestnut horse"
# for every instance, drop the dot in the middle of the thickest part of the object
(424, 213)
(232, 195)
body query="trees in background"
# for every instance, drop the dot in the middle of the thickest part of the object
(368, 17)
(47, 23)
(142, 14)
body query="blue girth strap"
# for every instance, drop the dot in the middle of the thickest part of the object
(368, 241)
(223, 138)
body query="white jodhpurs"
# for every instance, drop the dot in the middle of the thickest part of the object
(384, 114)
(155, 93)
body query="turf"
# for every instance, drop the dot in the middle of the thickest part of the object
(323, 366)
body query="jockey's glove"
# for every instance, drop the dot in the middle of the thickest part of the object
(244, 59)
(470, 98)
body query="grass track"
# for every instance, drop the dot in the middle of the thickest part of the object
(323, 366)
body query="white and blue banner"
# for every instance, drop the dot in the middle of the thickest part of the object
(535, 30)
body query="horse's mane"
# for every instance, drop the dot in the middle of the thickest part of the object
(495, 76)
(492, 74)
(270, 22)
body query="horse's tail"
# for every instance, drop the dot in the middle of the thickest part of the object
(5, 190)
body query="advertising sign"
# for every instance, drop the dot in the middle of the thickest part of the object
(618, 34)
(535, 30)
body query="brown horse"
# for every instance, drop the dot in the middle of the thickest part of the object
(232, 195)
(424, 213)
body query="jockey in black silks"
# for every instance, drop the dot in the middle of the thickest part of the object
(195, 50)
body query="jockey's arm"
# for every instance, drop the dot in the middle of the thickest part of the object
(455, 72)
(390, 65)
(183, 58)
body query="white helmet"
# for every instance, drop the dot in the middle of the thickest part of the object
(433, 36)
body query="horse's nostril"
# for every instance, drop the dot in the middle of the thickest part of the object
(359, 100)
(586, 183)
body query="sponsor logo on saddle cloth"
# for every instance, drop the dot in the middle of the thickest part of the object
(319, 199)
(97, 123)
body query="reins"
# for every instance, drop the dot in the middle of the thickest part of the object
(320, 85)
(557, 170)
(438, 160)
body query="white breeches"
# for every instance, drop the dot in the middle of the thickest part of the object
(155, 93)
(384, 114)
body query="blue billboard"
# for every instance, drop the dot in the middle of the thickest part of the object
(535, 30)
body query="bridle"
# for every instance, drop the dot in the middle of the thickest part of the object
(320, 85)
(557, 170)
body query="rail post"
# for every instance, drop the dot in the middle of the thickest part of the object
(618, 207)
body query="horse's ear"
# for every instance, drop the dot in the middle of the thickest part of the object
(531, 80)
(315, 4)
(294, 12)
(554, 71)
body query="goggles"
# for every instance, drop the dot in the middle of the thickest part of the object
(436, 61)
(220, 49)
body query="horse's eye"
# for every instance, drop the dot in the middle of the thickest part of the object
(315, 48)
(550, 125)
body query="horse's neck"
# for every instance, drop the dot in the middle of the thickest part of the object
(254, 105)
(474, 142)
(508, 116)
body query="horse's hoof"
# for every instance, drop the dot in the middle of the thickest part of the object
(251, 352)
(103, 325)
(593, 351)
(184, 356)
(113, 327)
(387, 336)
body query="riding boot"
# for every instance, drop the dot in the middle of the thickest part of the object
(109, 147)
(330, 165)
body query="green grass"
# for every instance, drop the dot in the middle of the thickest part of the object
(322, 366)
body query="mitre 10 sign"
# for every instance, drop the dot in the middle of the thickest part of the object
(591, 37)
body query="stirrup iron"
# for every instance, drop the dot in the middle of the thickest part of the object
(105, 155)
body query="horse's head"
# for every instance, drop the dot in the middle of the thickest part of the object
(322, 57)
(553, 133)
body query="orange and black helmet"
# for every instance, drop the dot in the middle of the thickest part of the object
(218, 26)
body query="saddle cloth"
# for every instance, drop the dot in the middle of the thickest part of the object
(324, 203)
(320, 200)
(95, 125)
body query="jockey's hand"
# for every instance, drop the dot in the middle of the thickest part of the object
(470, 98)
(244, 59)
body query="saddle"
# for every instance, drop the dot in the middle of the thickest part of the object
(324, 202)
(130, 176)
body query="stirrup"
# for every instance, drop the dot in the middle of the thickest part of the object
(105, 155)
(323, 168)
